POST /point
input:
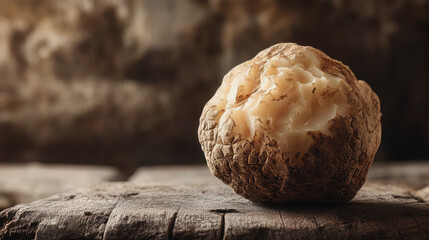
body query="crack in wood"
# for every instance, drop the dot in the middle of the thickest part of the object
(6, 220)
(417, 198)
(399, 231)
(415, 220)
(281, 218)
(171, 225)
(108, 219)
(403, 197)
(223, 211)
(37, 231)
(319, 227)
(222, 227)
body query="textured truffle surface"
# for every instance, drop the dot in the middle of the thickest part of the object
(291, 124)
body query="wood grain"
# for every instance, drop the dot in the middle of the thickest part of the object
(200, 211)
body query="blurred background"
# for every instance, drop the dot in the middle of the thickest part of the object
(123, 82)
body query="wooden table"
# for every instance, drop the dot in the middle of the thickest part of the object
(21, 183)
(188, 203)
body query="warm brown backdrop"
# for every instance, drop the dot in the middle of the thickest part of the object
(123, 82)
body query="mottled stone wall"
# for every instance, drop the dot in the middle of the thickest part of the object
(123, 82)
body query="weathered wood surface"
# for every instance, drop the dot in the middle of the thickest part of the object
(408, 174)
(413, 175)
(188, 203)
(21, 183)
(174, 175)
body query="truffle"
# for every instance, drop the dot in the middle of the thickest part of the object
(291, 124)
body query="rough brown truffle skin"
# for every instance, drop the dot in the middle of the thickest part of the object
(332, 169)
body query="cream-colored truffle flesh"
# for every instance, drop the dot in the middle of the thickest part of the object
(286, 95)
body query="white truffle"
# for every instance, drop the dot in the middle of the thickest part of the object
(291, 124)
